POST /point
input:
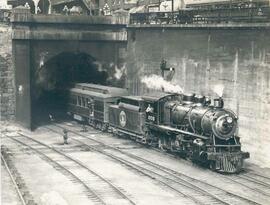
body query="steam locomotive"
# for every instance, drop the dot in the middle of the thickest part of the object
(186, 124)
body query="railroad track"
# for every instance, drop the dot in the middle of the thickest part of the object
(18, 191)
(197, 190)
(248, 181)
(103, 191)
(145, 172)
(258, 177)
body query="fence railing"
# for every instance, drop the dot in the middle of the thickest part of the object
(204, 16)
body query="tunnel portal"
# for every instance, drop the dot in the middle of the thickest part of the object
(51, 80)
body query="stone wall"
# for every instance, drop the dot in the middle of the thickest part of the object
(7, 95)
(239, 59)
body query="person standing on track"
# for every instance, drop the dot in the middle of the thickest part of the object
(65, 136)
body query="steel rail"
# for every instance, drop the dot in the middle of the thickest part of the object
(259, 175)
(169, 171)
(225, 177)
(179, 176)
(134, 167)
(236, 180)
(251, 179)
(13, 181)
(140, 168)
(183, 182)
(117, 190)
(95, 196)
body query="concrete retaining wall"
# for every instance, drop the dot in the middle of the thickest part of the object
(239, 59)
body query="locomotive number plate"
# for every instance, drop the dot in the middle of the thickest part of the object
(77, 117)
(151, 118)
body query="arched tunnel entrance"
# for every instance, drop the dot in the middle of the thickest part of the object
(50, 82)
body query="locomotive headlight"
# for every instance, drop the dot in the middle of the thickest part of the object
(229, 120)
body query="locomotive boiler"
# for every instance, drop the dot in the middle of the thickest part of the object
(194, 115)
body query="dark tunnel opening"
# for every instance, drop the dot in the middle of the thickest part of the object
(52, 79)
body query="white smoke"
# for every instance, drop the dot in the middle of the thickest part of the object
(218, 89)
(158, 83)
(99, 66)
(119, 72)
(41, 62)
(43, 56)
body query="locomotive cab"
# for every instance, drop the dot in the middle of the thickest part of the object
(156, 114)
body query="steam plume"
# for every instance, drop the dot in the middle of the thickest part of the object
(119, 72)
(218, 89)
(158, 83)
